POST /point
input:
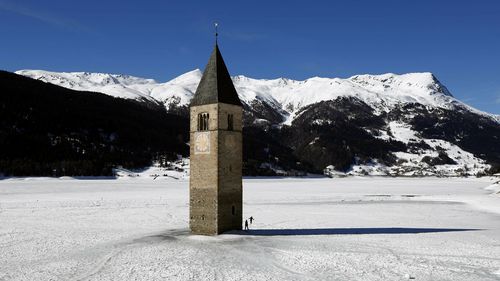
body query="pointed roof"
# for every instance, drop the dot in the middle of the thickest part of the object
(216, 84)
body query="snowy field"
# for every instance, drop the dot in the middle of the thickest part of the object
(305, 229)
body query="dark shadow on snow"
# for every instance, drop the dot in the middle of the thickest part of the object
(168, 235)
(344, 231)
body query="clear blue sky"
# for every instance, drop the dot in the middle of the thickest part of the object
(459, 41)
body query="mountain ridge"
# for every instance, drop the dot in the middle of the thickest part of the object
(382, 90)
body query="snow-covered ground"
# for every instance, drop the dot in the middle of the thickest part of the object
(135, 228)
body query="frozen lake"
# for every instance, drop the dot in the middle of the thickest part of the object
(305, 229)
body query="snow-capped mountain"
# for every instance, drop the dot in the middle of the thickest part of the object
(117, 85)
(382, 92)
(410, 124)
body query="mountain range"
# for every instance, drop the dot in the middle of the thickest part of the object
(387, 124)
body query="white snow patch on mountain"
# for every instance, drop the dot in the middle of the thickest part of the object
(402, 132)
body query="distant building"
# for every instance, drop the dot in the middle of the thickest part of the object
(215, 185)
(330, 171)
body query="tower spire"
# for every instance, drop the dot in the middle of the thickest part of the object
(216, 25)
(215, 85)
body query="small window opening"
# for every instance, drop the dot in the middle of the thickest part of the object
(230, 122)
(233, 211)
(203, 121)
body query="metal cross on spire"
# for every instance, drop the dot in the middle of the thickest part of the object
(216, 24)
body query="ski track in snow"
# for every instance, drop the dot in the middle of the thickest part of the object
(342, 229)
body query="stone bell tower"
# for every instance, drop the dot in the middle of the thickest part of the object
(215, 186)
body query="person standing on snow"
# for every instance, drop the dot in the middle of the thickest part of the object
(251, 220)
(246, 225)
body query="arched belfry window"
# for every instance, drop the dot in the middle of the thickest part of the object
(203, 121)
(230, 120)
